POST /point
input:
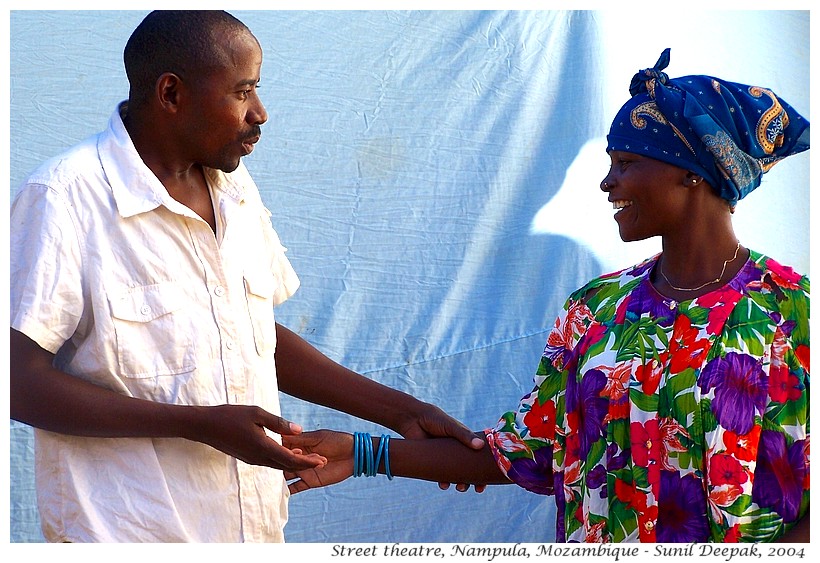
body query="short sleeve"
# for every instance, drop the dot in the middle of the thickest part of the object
(524, 440)
(44, 268)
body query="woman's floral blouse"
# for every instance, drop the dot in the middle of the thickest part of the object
(658, 421)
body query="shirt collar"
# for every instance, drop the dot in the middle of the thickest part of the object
(135, 188)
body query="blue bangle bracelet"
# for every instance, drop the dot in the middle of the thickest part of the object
(380, 452)
(355, 454)
(364, 462)
(368, 450)
(387, 458)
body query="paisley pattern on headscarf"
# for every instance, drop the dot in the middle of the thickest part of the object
(729, 133)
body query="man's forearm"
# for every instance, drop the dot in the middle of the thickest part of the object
(47, 398)
(306, 373)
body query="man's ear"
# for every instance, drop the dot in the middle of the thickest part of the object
(167, 91)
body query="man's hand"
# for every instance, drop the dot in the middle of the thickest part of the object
(335, 447)
(432, 422)
(429, 421)
(240, 431)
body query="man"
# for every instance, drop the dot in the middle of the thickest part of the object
(144, 271)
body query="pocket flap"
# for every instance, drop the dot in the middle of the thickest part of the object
(146, 303)
(262, 284)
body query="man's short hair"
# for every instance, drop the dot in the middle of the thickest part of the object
(183, 42)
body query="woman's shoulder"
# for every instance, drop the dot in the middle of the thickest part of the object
(775, 292)
(774, 274)
(617, 282)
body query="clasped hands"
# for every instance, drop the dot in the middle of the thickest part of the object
(338, 450)
(308, 459)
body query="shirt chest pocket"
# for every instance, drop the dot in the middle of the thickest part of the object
(154, 336)
(260, 287)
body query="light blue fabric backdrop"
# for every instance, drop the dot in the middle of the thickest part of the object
(435, 178)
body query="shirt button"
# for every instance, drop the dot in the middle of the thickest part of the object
(145, 310)
(219, 291)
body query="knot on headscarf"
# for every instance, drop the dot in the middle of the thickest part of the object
(728, 133)
(643, 80)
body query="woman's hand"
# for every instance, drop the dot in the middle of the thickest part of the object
(335, 447)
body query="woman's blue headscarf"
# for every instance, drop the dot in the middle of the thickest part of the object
(728, 133)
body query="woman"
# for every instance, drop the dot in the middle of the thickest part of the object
(672, 400)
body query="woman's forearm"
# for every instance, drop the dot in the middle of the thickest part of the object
(441, 460)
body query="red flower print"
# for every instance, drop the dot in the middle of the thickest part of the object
(595, 533)
(624, 491)
(617, 380)
(562, 336)
(618, 410)
(617, 390)
(743, 446)
(685, 349)
(573, 440)
(620, 312)
(720, 497)
(649, 375)
(572, 476)
(720, 304)
(647, 522)
(783, 385)
(541, 420)
(670, 431)
(726, 470)
(780, 345)
(504, 442)
(784, 276)
(628, 494)
(646, 441)
(802, 353)
(507, 441)
(594, 333)
(732, 534)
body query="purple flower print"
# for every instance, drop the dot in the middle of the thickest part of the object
(681, 509)
(645, 299)
(740, 390)
(596, 479)
(779, 476)
(615, 458)
(535, 475)
(586, 408)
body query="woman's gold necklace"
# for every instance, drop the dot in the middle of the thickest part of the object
(717, 279)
